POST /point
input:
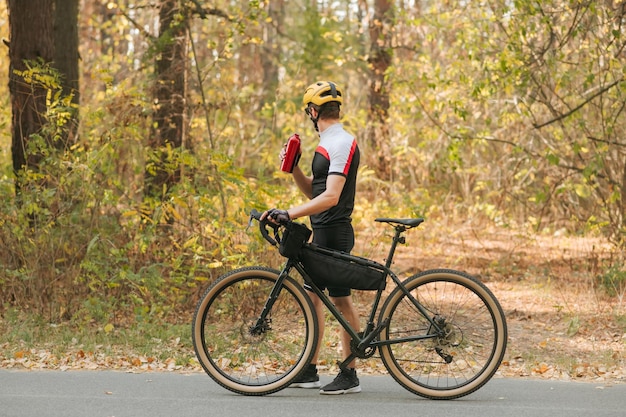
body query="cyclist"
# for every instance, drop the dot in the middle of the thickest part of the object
(331, 190)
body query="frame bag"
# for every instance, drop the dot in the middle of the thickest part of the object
(326, 269)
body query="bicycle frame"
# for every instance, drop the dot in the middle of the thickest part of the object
(365, 339)
(454, 326)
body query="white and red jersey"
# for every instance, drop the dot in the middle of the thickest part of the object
(336, 154)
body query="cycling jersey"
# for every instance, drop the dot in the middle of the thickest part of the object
(336, 154)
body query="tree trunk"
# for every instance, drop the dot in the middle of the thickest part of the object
(270, 55)
(31, 38)
(44, 31)
(169, 97)
(66, 59)
(380, 60)
(43, 44)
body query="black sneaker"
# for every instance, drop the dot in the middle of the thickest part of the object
(307, 379)
(345, 383)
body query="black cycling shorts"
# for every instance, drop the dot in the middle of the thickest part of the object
(338, 237)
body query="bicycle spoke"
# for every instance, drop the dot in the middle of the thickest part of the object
(255, 358)
(239, 354)
(462, 353)
(467, 342)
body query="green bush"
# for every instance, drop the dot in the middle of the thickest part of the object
(613, 280)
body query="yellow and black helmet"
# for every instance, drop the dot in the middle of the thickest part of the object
(322, 92)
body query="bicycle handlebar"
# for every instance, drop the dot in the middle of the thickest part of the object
(255, 214)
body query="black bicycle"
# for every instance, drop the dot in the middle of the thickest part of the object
(440, 333)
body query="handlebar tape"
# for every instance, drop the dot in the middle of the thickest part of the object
(255, 214)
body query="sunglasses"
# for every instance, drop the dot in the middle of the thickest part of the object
(308, 111)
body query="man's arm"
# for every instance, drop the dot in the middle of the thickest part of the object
(324, 201)
(304, 183)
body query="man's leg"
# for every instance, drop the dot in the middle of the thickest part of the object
(346, 307)
(321, 319)
(346, 382)
(309, 378)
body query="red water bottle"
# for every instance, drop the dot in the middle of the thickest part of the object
(292, 154)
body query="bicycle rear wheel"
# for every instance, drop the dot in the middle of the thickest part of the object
(453, 364)
(254, 362)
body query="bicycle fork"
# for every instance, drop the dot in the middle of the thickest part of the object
(263, 323)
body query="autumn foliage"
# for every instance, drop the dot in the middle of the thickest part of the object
(503, 115)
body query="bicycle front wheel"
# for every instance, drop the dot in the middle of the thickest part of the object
(464, 355)
(234, 351)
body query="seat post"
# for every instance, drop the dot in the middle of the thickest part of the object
(397, 238)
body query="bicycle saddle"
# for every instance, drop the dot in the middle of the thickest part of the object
(404, 222)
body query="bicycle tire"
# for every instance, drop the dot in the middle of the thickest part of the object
(475, 342)
(235, 358)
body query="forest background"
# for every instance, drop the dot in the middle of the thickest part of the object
(135, 136)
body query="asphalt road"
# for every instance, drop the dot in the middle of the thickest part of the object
(119, 394)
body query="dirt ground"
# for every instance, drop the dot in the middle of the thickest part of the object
(561, 334)
(561, 323)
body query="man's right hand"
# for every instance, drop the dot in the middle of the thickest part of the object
(278, 216)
